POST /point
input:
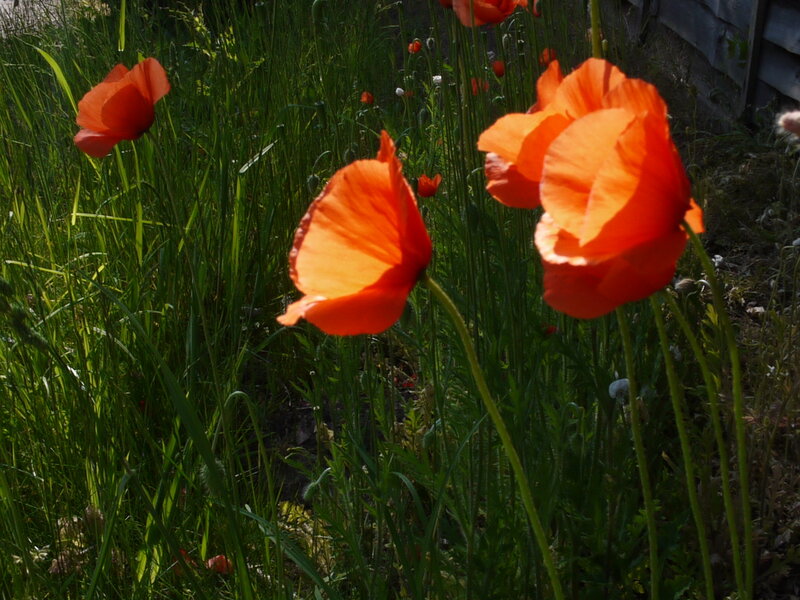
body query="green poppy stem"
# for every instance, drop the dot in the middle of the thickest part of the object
(641, 459)
(502, 431)
(738, 408)
(597, 43)
(676, 395)
(712, 390)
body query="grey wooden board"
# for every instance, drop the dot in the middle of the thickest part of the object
(701, 30)
(780, 69)
(720, 42)
(719, 30)
(782, 26)
(735, 12)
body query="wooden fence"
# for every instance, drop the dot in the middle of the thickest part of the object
(754, 43)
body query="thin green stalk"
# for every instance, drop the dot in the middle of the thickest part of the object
(597, 43)
(738, 408)
(641, 460)
(502, 431)
(676, 396)
(716, 422)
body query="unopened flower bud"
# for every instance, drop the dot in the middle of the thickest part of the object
(686, 286)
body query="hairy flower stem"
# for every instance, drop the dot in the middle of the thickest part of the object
(676, 395)
(502, 431)
(738, 408)
(641, 460)
(597, 43)
(716, 422)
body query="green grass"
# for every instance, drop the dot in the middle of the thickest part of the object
(150, 403)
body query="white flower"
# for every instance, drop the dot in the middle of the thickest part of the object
(790, 122)
(400, 92)
(437, 80)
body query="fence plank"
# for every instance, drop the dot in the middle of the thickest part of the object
(783, 24)
(754, 62)
(781, 70)
(701, 30)
(735, 12)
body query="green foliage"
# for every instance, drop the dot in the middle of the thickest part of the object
(152, 412)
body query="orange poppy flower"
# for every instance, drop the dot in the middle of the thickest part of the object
(367, 98)
(499, 68)
(178, 566)
(415, 47)
(547, 56)
(359, 250)
(220, 564)
(120, 107)
(480, 12)
(599, 156)
(426, 187)
(479, 85)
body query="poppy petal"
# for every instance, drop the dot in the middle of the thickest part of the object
(546, 86)
(694, 217)
(351, 222)
(507, 185)
(582, 91)
(516, 144)
(127, 113)
(572, 162)
(95, 144)
(369, 311)
(479, 12)
(588, 289)
(506, 136)
(640, 193)
(151, 79)
(116, 74)
(90, 107)
(638, 97)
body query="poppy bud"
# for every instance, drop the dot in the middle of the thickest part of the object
(479, 85)
(427, 186)
(686, 286)
(547, 56)
(499, 68)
